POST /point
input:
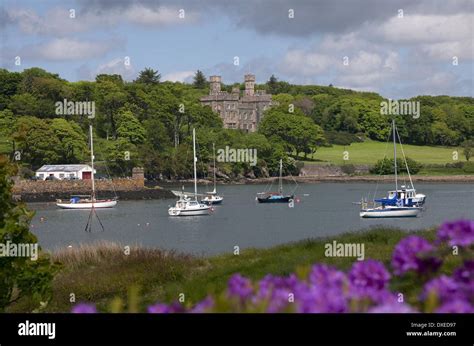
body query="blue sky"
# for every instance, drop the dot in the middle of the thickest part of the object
(397, 56)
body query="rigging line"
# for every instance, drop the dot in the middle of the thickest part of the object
(405, 159)
(383, 162)
(111, 180)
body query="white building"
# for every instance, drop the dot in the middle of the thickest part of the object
(65, 172)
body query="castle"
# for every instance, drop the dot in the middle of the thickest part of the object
(238, 111)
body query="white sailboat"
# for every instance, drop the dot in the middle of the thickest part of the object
(403, 202)
(187, 206)
(88, 202)
(212, 197)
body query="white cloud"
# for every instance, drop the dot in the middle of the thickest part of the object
(427, 28)
(117, 66)
(58, 22)
(69, 49)
(300, 62)
(179, 76)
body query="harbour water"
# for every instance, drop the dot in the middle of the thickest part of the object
(323, 209)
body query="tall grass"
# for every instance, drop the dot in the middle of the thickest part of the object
(102, 272)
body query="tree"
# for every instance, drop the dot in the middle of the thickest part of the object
(295, 131)
(468, 149)
(72, 146)
(148, 76)
(20, 277)
(272, 84)
(129, 127)
(199, 80)
(37, 142)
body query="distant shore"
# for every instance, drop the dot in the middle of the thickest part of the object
(316, 179)
(162, 189)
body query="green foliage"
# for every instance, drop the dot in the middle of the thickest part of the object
(129, 127)
(468, 167)
(386, 166)
(295, 131)
(199, 80)
(468, 149)
(342, 138)
(20, 277)
(148, 76)
(154, 120)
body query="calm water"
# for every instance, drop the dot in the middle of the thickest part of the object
(324, 209)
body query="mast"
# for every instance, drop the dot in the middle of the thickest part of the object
(280, 185)
(214, 154)
(194, 159)
(92, 162)
(395, 154)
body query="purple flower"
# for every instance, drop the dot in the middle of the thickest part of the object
(444, 287)
(464, 276)
(369, 274)
(277, 292)
(84, 308)
(203, 306)
(412, 253)
(456, 306)
(240, 286)
(392, 307)
(320, 299)
(460, 233)
(160, 308)
(326, 276)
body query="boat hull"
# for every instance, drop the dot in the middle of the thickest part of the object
(389, 213)
(212, 201)
(284, 199)
(86, 205)
(188, 212)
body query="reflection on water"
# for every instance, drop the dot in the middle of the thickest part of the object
(324, 209)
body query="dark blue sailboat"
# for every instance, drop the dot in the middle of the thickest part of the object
(275, 197)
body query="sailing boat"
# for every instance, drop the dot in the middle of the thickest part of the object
(275, 197)
(403, 202)
(88, 202)
(212, 197)
(186, 206)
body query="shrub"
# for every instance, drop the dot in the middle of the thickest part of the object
(468, 167)
(342, 138)
(20, 276)
(385, 166)
(348, 169)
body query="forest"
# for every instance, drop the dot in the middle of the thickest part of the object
(148, 123)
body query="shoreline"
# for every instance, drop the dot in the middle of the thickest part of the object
(316, 179)
(156, 190)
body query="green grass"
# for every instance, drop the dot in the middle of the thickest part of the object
(370, 152)
(101, 273)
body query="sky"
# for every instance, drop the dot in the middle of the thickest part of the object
(398, 48)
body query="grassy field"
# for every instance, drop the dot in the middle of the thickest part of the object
(369, 152)
(102, 273)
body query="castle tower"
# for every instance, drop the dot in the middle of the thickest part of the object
(215, 85)
(249, 84)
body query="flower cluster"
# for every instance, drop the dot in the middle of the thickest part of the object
(365, 287)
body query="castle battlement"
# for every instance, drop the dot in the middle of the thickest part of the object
(238, 111)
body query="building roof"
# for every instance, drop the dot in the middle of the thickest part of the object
(63, 168)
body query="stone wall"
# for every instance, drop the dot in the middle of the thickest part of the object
(312, 169)
(76, 186)
(48, 191)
